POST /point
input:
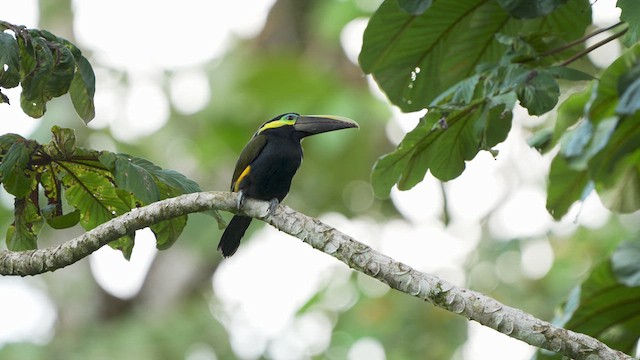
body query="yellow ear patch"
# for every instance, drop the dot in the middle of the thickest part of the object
(277, 123)
(245, 172)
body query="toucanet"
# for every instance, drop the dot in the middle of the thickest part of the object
(268, 163)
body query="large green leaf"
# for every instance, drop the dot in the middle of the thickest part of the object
(64, 67)
(9, 61)
(539, 93)
(83, 87)
(15, 168)
(91, 192)
(527, 9)
(22, 234)
(33, 98)
(565, 186)
(440, 143)
(605, 308)
(415, 58)
(631, 15)
(135, 175)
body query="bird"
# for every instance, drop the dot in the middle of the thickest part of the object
(268, 163)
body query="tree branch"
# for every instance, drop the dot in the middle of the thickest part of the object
(470, 304)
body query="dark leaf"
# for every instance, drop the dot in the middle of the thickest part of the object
(63, 221)
(540, 92)
(570, 112)
(64, 67)
(83, 87)
(136, 175)
(168, 231)
(33, 98)
(22, 234)
(606, 94)
(14, 170)
(527, 9)
(567, 73)
(415, 7)
(416, 58)
(565, 186)
(630, 15)
(9, 61)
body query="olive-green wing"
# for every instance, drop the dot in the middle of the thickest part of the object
(249, 153)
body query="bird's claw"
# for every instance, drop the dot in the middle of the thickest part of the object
(240, 199)
(273, 204)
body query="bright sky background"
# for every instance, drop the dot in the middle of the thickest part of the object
(515, 179)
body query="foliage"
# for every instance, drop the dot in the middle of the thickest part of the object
(469, 62)
(98, 185)
(46, 66)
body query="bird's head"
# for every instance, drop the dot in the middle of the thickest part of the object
(305, 125)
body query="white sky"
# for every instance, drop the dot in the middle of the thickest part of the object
(172, 38)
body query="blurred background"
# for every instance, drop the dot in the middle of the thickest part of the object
(185, 85)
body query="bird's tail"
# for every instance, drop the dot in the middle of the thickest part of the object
(230, 239)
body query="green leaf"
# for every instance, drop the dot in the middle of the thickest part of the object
(565, 186)
(438, 143)
(33, 98)
(125, 245)
(616, 168)
(83, 87)
(9, 61)
(63, 221)
(64, 67)
(91, 192)
(606, 95)
(62, 145)
(625, 263)
(570, 112)
(136, 175)
(527, 9)
(414, 7)
(14, 170)
(630, 15)
(416, 58)
(604, 308)
(168, 231)
(540, 92)
(567, 73)
(22, 234)
(7, 140)
(494, 125)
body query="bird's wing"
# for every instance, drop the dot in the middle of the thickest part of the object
(249, 153)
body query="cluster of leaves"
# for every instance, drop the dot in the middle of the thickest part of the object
(46, 66)
(61, 184)
(598, 130)
(468, 62)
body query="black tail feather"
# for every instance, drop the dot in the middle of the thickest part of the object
(230, 239)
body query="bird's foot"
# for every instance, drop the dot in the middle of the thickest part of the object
(240, 199)
(273, 204)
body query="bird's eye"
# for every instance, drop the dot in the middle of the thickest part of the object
(290, 117)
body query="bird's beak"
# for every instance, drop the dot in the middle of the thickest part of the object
(315, 124)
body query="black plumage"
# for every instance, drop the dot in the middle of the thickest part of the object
(268, 163)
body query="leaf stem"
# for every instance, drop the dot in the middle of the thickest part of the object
(593, 47)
